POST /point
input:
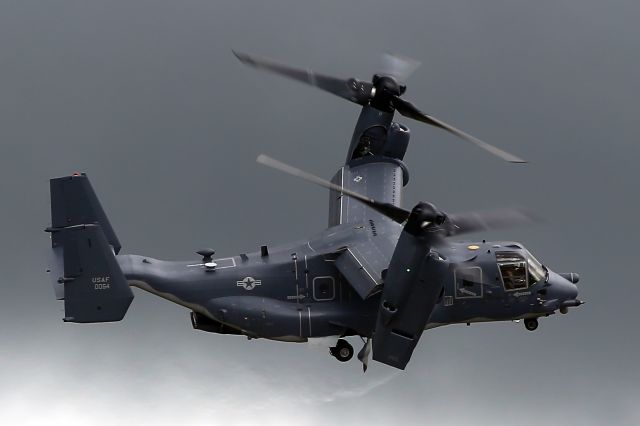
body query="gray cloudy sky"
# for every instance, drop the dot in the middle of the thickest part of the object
(146, 97)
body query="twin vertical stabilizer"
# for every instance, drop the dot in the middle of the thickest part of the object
(84, 270)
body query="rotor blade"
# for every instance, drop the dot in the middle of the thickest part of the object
(398, 66)
(407, 109)
(352, 89)
(468, 222)
(395, 213)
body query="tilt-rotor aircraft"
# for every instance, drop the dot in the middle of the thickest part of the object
(378, 271)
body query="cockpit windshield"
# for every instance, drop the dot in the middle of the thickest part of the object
(519, 271)
(537, 272)
(513, 269)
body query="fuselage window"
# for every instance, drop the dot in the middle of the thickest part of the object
(513, 269)
(468, 282)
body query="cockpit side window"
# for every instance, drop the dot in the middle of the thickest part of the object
(513, 270)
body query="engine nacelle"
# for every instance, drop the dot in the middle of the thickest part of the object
(397, 141)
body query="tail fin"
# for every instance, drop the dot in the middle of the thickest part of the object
(85, 272)
(74, 202)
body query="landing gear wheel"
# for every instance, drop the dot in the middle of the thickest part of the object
(342, 351)
(531, 323)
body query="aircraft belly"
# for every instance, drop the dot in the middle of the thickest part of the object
(461, 311)
(261, 317)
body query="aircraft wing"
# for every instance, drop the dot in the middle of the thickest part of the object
(362, 264)
(380, 180)
(363, 261)
(363, 253)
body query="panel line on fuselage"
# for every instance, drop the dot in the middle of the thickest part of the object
(341, 194)
(306, 273)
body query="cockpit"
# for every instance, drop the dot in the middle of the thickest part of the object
(519, 269)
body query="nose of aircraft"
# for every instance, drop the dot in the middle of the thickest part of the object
(563, 291)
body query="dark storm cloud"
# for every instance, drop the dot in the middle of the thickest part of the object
(146, 97)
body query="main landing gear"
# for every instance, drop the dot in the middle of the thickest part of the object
(342, 351)
(531, 323)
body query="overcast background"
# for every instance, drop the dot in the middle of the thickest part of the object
(146, 97)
